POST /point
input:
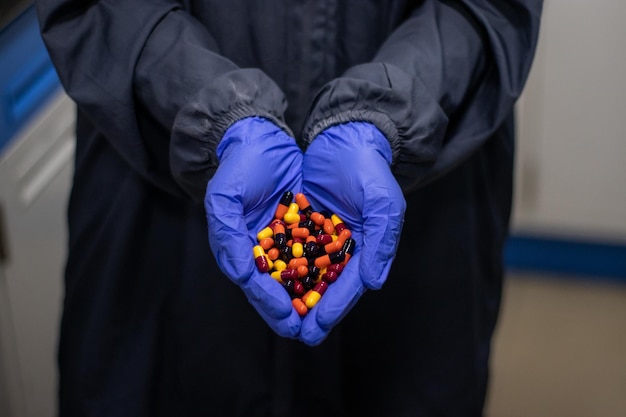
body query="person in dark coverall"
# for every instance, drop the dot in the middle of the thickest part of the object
(196, 115)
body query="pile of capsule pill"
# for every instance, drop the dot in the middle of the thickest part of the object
(304, 250)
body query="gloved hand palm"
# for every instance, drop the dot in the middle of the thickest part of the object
(346, 171)
(258, 162)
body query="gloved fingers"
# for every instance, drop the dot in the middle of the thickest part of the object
(273, 303)
(383, 218)
(337, 301)
(286, 327)
(229, 236)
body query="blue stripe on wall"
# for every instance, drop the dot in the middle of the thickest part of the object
(591, 260)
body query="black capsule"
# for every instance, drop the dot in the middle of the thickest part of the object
(285, 254)
(308, 224)
(310, 249)
(348, 246)
(308, 283)
(337, 257)
(288, 285)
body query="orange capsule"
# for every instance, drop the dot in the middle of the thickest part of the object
(267, 243)
(303, 271)
(300, 307)
(348, 250)
(296, 262)
(328, 227)
(333, 246)
(273, 254)
(327, 260)
(318, 218)
(280, 238)
(283, 205)
(304, 204)
(301, 232)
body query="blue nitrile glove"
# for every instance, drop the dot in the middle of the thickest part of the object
(347, 172)
(258, 163)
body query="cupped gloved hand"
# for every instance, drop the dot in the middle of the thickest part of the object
(258, 162)
(347, 171)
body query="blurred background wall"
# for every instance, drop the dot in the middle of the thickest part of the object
(560, 346)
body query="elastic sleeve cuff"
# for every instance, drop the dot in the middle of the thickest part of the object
(400, 106)
(200, 125)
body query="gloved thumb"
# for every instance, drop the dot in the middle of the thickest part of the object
(383, 215)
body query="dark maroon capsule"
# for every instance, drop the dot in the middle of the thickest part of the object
(288, 274)
(336, 268)
(330, 276)
(298, 288)
(262, 264)
(324, 239)
(302, 217)
(321, 287)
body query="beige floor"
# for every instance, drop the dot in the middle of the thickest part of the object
(560, 350)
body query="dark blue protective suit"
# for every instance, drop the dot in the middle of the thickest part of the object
(152, 328)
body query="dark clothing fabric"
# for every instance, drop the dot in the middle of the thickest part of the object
(151, 327)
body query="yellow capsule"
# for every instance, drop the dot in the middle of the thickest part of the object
(292, 215)
(265, 233)
(311, 298)
(258, 251)
(297, 250)
(279, 265)
(335, 219)
(276, 276)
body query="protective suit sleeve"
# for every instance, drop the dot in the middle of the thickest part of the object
(133, 66)
(439, 86)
